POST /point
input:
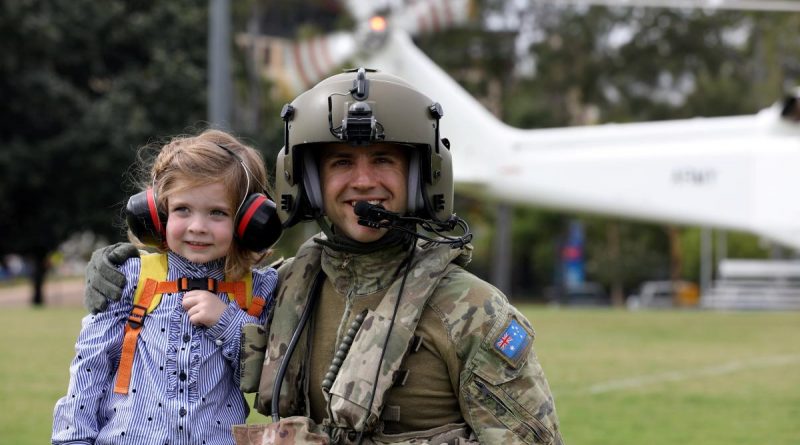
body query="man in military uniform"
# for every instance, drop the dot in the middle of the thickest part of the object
(376, 337)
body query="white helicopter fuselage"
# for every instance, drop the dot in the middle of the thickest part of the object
(734, 173)
(731, 172)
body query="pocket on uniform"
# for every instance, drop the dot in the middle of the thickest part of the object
(506, 389)
(490, 404)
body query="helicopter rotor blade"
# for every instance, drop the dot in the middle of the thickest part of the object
(296, 66)
(735, 5)
(430, 16)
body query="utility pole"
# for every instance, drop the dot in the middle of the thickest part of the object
(501, 248)
(706, 260)
(500, 271)
(220, 86)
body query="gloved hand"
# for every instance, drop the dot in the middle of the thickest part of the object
(104, 282)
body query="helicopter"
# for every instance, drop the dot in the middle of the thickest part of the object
(730, 173)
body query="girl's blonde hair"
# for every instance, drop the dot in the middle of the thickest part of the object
(191, 161)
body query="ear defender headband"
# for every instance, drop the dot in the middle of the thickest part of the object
(256, 226)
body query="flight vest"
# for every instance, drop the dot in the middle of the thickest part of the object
(352, 387)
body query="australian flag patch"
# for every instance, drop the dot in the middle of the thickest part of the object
(512, 344)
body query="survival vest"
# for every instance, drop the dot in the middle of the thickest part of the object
(348, 406)
(152, 284)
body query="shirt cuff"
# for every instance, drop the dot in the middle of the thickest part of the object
(226, 326)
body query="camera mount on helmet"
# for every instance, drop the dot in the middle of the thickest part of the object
(359, 127)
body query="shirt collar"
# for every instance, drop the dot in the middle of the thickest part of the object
(181, 267)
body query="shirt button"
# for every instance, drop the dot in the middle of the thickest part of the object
(182, 376)
(186, 338)
(182, 412)
(218, 342)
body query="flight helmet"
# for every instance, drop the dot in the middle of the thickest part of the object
(363, 107)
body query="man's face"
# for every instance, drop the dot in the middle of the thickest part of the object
(376, 173)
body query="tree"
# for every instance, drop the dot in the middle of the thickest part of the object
(84, 84)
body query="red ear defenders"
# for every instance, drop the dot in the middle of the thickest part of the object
(257, 226)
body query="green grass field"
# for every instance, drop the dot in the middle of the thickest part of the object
(666, 377)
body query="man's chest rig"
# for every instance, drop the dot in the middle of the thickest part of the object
(152, 285)
(348, 385)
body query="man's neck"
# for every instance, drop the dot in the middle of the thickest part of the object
(343, 243)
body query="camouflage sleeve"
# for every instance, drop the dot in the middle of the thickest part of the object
(251, 356)
(254, 340)
(504, 394)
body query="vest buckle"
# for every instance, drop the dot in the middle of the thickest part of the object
(136, 318)
(187, 284)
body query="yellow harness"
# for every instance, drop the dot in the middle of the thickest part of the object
(152, 284)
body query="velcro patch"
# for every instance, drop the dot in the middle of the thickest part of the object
(512, 344)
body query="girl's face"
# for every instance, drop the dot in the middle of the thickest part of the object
(200, 222)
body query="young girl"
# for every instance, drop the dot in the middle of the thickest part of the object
(168, 372)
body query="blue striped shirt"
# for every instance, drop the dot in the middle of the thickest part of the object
(184, 387)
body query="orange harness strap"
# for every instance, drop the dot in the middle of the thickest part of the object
(142, 307)
(239, 290)
(134, 327)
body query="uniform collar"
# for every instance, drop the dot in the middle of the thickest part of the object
(363, 274)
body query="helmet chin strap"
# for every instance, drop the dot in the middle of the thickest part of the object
(343, 243)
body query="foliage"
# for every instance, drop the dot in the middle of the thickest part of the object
(736, 245)
(84, 84)
(626, 252)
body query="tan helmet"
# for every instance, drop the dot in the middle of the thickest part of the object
(362, 107)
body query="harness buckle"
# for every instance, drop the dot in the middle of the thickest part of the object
(186, 284)
(136, 318)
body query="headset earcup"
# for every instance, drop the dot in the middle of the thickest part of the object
(145, 220)
(258, 226)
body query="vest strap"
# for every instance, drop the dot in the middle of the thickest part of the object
(296, 289)
(358, 370)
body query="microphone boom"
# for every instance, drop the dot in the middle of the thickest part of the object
(377, 217)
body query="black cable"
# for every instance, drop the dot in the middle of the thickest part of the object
(435, 227)
(377, 217)
(336, 132)
(276, 390)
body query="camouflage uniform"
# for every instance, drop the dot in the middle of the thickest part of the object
(502, 397)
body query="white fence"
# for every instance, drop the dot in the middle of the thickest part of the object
(755, 284)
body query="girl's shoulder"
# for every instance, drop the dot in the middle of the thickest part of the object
(264, 279)
(264, 270)
(131, 268)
